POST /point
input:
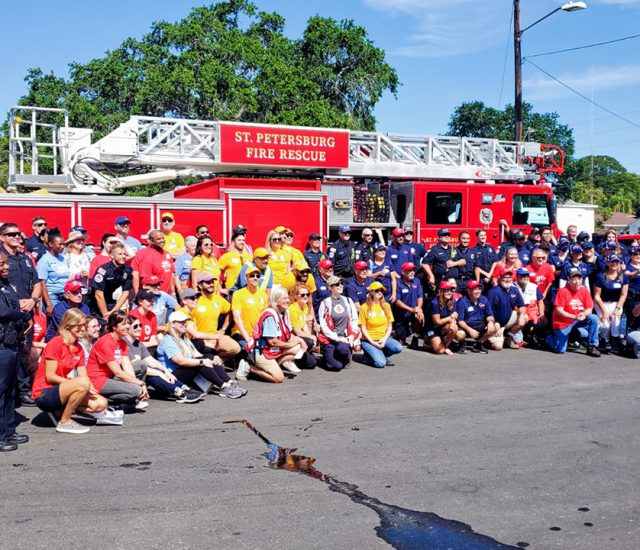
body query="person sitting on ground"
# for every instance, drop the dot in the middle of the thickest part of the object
(110, 370)
(207, 328)
(247, 305)
(509, 311)
(376, 322)
(536, 322)
(183, 264)
(89, 336)
(275, 346)
(610, 294)
(164, 304)
(338, 319)
(302, 320)
(72, 299)
(61, 385)
(177, 353)
(409, 317)
(157, 375)
(574, 311)
(357, 287)
(442, 321)
(144, 312)
(475, 317)
(112, 283)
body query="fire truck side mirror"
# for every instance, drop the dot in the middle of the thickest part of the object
(553, 210)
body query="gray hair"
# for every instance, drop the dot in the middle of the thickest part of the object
(191, 240)
(277, 292)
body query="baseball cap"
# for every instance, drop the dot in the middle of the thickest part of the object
(587, 244)
(508, 272)
(408, 266)
(519, 235)
(179, 316)
(144, 294)
(123, 219)
(344, 229)
(167, 215)
(260, 253)
(635, 250)
(610, 245)
(408, 229)
(325, 264)
(473, 284)
(573, 272)
(523, 272)
(376, 285)
(251, 269)
(443, 232)
(333, 280)
(534, 231)
(583, 236)
(378, 246)
(72, 286)
(78, 228)
(152, 280)
(301, 265)
(575, 249)
(205, 277)
(280, 229)
(189, 293)
(613, 258)
(361, 264)
(563, 239)
(239, 230)
(314, 237)
(397, 232)
(445, 285)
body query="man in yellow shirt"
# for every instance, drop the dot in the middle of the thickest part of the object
(247, 305)
(237, 255)
(173, 241)
(301, 274)
(206, 316)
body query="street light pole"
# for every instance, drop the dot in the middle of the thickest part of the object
(517, 55)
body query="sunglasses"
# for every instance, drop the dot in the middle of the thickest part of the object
(276, 239)
(207, 245)
(445, 290)
(337, 284)
(79, 291)
(137, 325)
(367, 234)
(204, 232)
(253, 276)
(304, 295)
(166, 220)
(11, 234)
(376, 291)
(40, 224)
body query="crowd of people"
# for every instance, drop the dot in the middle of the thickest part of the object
(94, 334)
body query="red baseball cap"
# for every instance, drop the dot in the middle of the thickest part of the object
(360, 265)
(153, 280)
(408, 266)
(397, 232)
(72, 286)
(504, 272)
(473, 284)
(445, 285)
(325, 264)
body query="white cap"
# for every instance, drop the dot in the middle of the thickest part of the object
(178, 316)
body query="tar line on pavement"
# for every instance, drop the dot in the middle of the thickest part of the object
(402, 528)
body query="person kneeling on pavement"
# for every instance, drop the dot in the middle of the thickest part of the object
(574, 311)
(509, 311)
(475, 317)
(442, 321)
(409, 317)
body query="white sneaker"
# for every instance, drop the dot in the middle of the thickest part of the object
(107, 418)
(72, 427)
(142, 405)
(291, 367)
(243, 370)
(116, 412)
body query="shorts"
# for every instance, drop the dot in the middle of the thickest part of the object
(49, 400)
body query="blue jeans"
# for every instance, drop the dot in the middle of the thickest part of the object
(379, 356)
(588, 330)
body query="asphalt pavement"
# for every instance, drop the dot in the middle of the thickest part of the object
(527, 448)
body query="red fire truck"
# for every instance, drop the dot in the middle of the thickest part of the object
(262, 176)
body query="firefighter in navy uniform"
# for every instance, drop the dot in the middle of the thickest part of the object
(484, 258)
(466, 271)
(442, 261)
(108, 279)
(342, 253)
(13, 323)
(364, 250)
(418, 250)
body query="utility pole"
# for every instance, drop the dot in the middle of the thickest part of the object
(517, 55)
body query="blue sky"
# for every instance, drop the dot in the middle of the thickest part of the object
(445, 52)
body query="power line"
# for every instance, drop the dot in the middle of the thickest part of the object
(586, 46)
(601, 118)
(610, 130)
(506, 54)
(582, 95)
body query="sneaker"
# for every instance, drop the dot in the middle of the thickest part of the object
(243, 370)
(190, 396)
(512, 344)
(107, 418)
(592, 351)
(116, 412)
(239, 387)
(414, 343)
(291, 367)
(478, 348)
(231, 391)
(141, 405)
(462, 348)
(72, 427)
(390, 363)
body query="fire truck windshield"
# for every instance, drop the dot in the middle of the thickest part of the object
(530, 210)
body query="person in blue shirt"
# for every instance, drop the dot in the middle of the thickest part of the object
(418, 250)
(37, 243)
(407, 311)
(261, 261)
(397, 252)
(475, 317)
(466, 256)
(574, 261)
(383, 272)
(509, 311)
(183, 263)
(524, 253)
(442, 261)
(72, 299)
(357, 287)
(325, 271)
(441, 322)
(53, 272)
(609, 295)
(485, 256)
(632, 272)
(164, 304)
(313, 253)
(122, 225)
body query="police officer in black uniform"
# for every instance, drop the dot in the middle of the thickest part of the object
(108, 278)
(342, 253)
(442, 261)
(12, 325)
(35, 244)
(465, 270)
(364, 250)
(23, 277)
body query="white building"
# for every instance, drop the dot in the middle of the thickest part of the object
(583, 216)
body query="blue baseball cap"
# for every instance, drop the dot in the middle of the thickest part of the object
(121, 219)
(574, 271)
(78, 228)
(613, 258)
(378, 246)
(587, 244)
(522, 272)
(575, 249)
(344, 229)
(609, 245)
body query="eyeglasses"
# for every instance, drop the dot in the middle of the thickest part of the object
(306, 295)
(207, 245)
(136, 325)
(11, 234)
(206, 232)
(337, 284)
(253, 276)
(276, 239)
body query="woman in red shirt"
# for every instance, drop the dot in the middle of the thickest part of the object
(109, 367)
(61, 382)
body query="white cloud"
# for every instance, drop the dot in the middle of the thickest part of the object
(593, 79)
(443, 28)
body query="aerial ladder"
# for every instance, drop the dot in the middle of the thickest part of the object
(144, 150)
